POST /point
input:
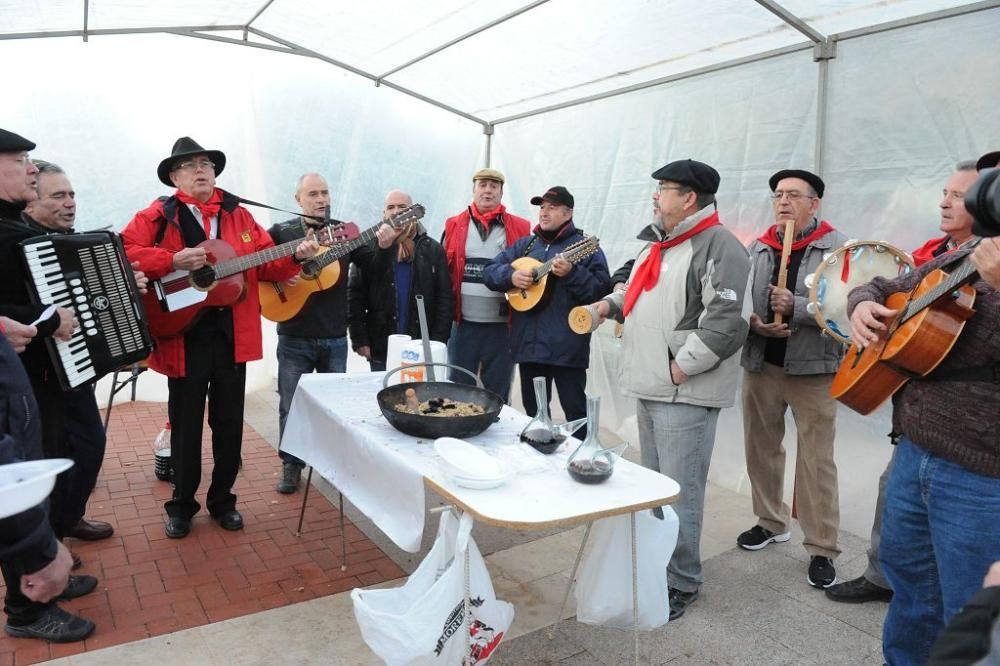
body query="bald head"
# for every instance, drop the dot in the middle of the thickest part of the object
(395, 201)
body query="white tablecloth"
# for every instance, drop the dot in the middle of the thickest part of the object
(336, 426)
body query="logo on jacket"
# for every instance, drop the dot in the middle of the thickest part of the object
(245, 236)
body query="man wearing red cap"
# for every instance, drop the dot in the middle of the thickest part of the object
(209, 359)
(686, 311)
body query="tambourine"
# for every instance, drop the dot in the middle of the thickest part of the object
(850, 266)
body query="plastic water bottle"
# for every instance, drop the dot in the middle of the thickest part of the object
(161, 454)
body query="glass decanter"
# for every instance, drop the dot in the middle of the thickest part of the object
(591, 462)
(541, 433)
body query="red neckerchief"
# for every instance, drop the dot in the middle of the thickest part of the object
(770, 237)
(929, 250)
(208, 209)
(486, 218)
(648, 273)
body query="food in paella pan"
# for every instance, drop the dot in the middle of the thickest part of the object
(438, 406)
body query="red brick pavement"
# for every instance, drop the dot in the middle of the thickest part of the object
(151, 585)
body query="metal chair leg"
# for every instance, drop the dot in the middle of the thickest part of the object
(305, 497)
(111, 400)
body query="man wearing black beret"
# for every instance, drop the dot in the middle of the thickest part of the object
(791, 364)
(686, 316)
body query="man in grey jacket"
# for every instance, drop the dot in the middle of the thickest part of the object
(791, 364)
(686, 317)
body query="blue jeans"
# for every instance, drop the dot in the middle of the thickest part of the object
(940, 534)
(299, 356)
(472, 345)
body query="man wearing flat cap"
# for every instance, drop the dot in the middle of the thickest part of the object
(791, 364)
(686, 311)
(480, 340)
(209, 359)
(541, 341)
(35, 565)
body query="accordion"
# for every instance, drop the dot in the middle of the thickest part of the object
(89, 274)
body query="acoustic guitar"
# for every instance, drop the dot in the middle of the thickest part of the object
(174, 302)
(918, 338)
(523, 300)
(280, 301)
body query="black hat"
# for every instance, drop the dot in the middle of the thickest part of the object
(697, 175)
(186, 147)
(557, 195)
(811, 178)
(14, 143)
(988, 161)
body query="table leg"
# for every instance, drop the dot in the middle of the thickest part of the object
(305, 497)
(572, 579)
(635, 591)
(343, 534)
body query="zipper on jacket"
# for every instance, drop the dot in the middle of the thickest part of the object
(27, 412)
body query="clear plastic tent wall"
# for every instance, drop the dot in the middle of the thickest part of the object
(910, 90)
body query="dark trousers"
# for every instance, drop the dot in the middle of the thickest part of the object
(20, 609)
(476, 346)
(570, 382)
(52, 408)
(86, 439)
(212, 374)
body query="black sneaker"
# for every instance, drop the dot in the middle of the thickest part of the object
(55, 626)
(78, 586)
(291, 474)
(679, 601)
(757, 537)
(821, 572)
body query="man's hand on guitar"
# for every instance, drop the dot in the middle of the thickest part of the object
(782, 300)
(294, 280)
(986, 259)
(141, 281)
(386, 235)
(308, 248)
(561, 267)
(866, 322)
(67, 324)
(190, 259)
(17, 334)
(772, 330)
(522, 279)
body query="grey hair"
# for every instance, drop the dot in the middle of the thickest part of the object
(47, 167)
(301, 179)
(702, 199)
(966, 165)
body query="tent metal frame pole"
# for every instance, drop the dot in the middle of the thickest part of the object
(792, 20)
(119, 31)
(462, 38)
(246, 26)
(488, 131)
(919, 19)
(86, 18)
(823, 53)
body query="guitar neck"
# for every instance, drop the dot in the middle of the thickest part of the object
(573, 255)
(965, 273)
(248, 261)
(343, 249)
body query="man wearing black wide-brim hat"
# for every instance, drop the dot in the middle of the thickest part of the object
(685, 312)
(790, 364)
(209, 359)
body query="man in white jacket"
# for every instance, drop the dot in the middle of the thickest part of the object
(686, 315)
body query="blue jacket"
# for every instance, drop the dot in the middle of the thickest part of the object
(542, 335)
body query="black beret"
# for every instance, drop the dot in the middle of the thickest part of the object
(811, 178)
(988, 161)
(697, 175)
(14, 143)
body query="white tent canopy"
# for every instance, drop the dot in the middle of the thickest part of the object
(882, 97)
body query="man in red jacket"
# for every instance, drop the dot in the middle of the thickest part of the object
(209, 358)
(480, 340)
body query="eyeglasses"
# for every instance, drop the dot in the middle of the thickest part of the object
(953, 195)
(792, 196)
(664, 188)
(199, 164)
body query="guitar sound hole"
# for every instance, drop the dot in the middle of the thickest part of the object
(204, 277)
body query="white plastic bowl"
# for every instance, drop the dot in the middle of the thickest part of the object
(461, 459)
(26, 484)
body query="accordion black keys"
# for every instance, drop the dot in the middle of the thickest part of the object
(89, 274)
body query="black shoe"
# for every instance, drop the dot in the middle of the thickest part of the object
(291, 474)
(757, 537)
(178, 527)
(55, 626)
(679, 601)
(91, 530)
(821, 572)
(230, 520)
(858, 591)
(78, 586)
